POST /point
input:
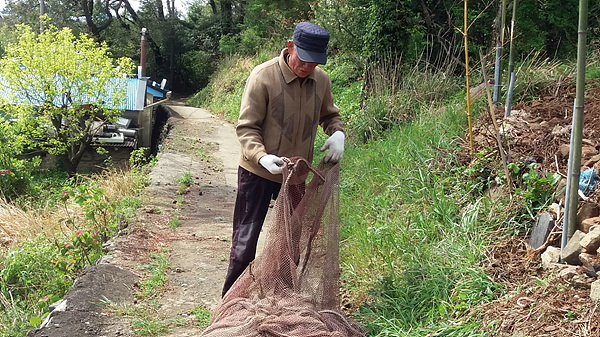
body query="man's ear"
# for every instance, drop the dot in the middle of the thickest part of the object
(290, 45)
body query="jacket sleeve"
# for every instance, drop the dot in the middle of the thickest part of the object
(330, 119)
(253, 110)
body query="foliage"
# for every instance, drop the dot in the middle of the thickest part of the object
(389, 27)
(56, 99)
(409, 218)
(224, 93)
(153, 286)
(103, 214)
(538, 77)
(184, 182)
(202, 316)
(28, 284)
(393, 95)
(538, 190)
(39, 271)
(84, 249)
(15, 171)
(45, 189)
(198, 65)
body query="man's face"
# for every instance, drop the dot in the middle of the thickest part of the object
(299, 67)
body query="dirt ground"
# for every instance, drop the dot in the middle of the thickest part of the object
(198, 248)
(537, 303)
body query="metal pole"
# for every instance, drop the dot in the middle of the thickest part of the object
(509, 96)
(42, 13)
(143, 52)
(572, 198)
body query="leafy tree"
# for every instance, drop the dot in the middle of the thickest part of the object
(63, 13)
(58, 86)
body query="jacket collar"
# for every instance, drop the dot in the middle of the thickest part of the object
(288, 74)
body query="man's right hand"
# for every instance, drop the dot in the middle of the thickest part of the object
(272, 163)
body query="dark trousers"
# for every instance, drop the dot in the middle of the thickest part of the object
(251, 205)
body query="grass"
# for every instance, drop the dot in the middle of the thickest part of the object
(408, 219)
(224, 92)
(31, 276)
(144, 321)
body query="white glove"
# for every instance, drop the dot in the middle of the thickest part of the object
(272, 163)
(335, 144)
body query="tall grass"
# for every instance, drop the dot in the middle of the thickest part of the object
(409, 220)
(413, 234)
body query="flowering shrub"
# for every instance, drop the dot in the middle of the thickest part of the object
(84, 249)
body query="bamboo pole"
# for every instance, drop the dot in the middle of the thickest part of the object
(511, 59)
(467, 75)
(499, 47)
(572, 199)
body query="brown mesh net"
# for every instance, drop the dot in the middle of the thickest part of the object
(291, 289)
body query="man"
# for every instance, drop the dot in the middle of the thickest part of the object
(284, 101)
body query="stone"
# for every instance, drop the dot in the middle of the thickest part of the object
(555, 210)
(580, 281)
(563, 151)
(571, 251)
(550, 258)
(591, 241)
(588, 210)
(562, 130)
(568, 273)
(587, 260)
(541, 229)
(595, 291)
(587, 152)
(587, 224)
(592, 161)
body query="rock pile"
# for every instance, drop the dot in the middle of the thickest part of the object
(579, 261)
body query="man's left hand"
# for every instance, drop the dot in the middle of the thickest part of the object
(335, 144)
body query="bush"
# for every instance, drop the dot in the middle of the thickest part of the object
(228, 44)
(196, 68)
(15, 173)
(250, 42)
(28, 271)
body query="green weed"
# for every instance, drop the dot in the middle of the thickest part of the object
(153, 286)
(184, 182)
(174, 222)
(202, 316)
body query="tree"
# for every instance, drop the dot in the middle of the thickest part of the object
(58, 86)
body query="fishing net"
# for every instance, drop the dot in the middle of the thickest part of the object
(291, 289)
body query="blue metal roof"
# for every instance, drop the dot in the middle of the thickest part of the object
(134, 101)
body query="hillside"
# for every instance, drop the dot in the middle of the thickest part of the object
(538, 302)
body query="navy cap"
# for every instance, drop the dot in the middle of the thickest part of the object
(311, 42)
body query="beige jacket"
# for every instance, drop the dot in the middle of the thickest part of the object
(279, 115)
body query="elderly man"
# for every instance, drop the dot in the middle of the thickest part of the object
(284, 101)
